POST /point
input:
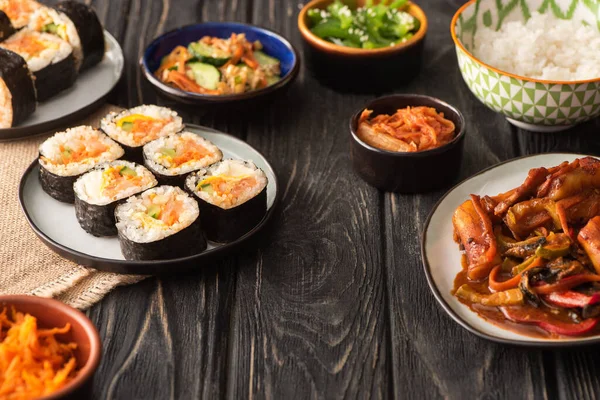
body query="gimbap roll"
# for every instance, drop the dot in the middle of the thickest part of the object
(69, 154)
(17, 90)
(232, 196)
(137, 126)
(98, 192)
(6, 27)
(49, 58)
(171, 158)
(77, 24)
(19, 11)
(158, 224)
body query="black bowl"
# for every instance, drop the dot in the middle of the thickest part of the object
(349, 69)
(274, 45)
(408, 172)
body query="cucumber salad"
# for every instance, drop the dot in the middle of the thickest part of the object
(218, 66)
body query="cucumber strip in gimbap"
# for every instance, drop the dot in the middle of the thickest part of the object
(49, 58)
(137, 126)
(6, 27)
(98, 192)
(89, 29)
(232, 196)
(158, 224)
(69, 154)
(173, 157)
(19, 11)
(17, 90)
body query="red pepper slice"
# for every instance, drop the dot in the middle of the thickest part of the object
(566, 283)
(571, 299)
(560, 328)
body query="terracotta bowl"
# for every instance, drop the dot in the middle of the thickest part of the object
(51, 314)
(408, 172)
(362, 70)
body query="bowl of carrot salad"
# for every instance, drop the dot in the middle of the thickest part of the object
(48, 350)
(407, 143)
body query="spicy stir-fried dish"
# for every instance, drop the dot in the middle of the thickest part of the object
(410, 129)
(218, 66)
(33, 362)
(532, 254)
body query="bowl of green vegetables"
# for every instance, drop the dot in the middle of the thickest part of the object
(363, 45)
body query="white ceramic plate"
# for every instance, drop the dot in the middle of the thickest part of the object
(56, 225)
(89, 90)
(442, 258)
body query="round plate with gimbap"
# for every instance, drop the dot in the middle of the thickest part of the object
(198, 195)
(56, 65)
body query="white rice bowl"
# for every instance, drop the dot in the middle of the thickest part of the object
(164, 166)
(232, 168)
(55, 53)
(134, 224)
(544, 47)
(88, 187)
(76, 138)
(110, 127)
(45, 15)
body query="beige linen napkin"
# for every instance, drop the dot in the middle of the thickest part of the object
(27, 266)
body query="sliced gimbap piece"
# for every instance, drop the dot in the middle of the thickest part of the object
(49, 58)
(17, 90)
(77, 24)
(160, 223)
(19, 11)
(69, 154)
(232, 195)
(6, 27)
(173, 157)
(98, 192)
(137, 126)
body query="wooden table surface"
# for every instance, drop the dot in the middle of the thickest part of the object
(334, 302)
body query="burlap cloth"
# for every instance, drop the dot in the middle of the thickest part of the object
(27, 266)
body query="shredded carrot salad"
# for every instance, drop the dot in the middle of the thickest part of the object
(33, 363)
(410, 129)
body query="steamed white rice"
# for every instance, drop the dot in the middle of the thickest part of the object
(56, 49)
(6, 109)
(134, 223)
(542, 48)
(78, 138)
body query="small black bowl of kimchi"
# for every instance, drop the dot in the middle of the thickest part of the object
(407, 143)
(219, 63)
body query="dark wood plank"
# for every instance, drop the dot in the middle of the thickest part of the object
(431, 354)
(309, 318)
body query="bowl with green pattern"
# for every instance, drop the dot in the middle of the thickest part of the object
(539, 105)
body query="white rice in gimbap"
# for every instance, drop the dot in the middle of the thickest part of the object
(77, 150)
(113, 181)
(6, 109)
(19, 11)
(38, 49)
(156, 214)
(180, 154)
(140, 125)
(51, 21)
(228, 184)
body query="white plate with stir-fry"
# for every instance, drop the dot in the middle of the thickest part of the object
(513, 253)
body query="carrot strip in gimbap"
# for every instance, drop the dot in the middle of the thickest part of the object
(160, 223)
(173, 157)
(232, 196)
(99, 191)
(69, 154)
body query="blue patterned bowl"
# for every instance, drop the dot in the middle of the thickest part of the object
(274, 45)
(532, 104)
